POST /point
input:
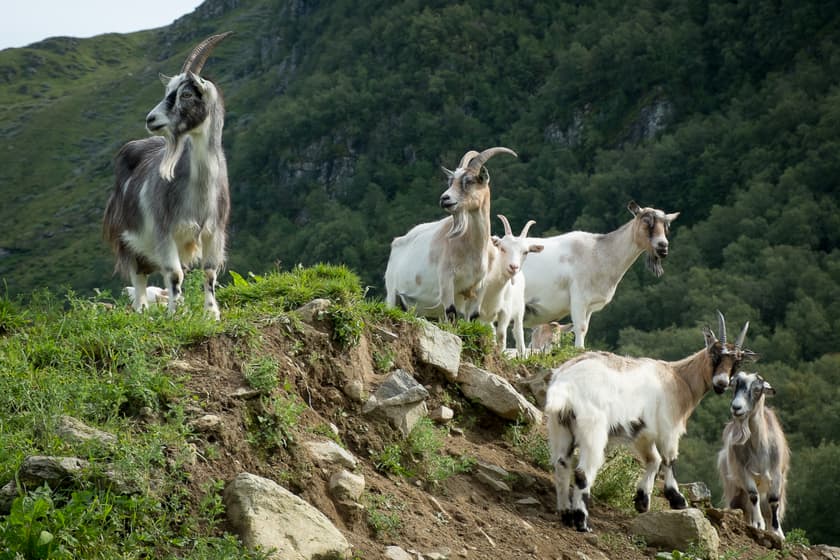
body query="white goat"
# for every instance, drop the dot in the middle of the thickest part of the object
(755, 458)
(600, 397)
(439, 267)
(171, 201)
(547, 335)
(503, 299)
(578, 272)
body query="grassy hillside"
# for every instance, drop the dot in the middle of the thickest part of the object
(340, 114)
(274, 382)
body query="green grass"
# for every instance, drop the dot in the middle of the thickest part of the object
(97, 360)
(419, 455)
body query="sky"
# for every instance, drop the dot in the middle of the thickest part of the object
(23, 22)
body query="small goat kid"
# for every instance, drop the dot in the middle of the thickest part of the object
(578, 271)
(170, 204)
(755, 458)
(439, 267)
(503, 299)
(547, 335)
(598, 397)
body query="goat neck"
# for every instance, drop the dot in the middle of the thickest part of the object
(616, 252)
(694, 373)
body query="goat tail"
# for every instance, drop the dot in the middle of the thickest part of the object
(557, 401)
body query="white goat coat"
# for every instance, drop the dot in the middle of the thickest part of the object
(413, 271)
(609, 400)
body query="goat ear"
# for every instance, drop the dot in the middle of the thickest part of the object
(671, 217)
(768, 389)
(484, 175)
(496, 240)
(710, 337)
(536, 248)
(633, 207)
(447, 172)
(199, 82)
(164, 79)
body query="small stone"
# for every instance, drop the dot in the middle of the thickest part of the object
(355, 390)
(529, 501)
(347, 486)
(442, 414)
(396, 553)
(207, 424)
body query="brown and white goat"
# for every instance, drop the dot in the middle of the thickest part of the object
(599, 397)
(171, 201)
(578, 272)
(439, 268)
(755, 457)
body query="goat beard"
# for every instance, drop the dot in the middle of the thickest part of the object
(173, 149)
(654, 264)
(740, 431)
(459, 225)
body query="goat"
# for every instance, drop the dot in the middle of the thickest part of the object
(544, 336)
(578, 271)
(503, 299)
(755, 457)
(439, 267)
(171, 201)
(599, 397)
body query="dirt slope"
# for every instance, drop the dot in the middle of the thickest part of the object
(461, 515)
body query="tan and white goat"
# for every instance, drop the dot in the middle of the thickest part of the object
(600, 397)
(755, 457)
(578, 272)
(439, 268)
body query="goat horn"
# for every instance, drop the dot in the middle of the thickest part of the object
(740, 340)
(198, 56)
(526, 228)
(479, 160)
(506, 224)
(722, 327)
(466, 158)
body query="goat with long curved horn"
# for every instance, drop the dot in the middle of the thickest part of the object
(199, 55)
(170, 204)
(440, 267)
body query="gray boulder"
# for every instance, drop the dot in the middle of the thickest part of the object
(400, 399)
(677, 529)
(439, 348)
(75, 431)
(265, 514)
(496, 394)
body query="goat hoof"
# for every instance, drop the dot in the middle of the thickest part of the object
(567, 517)
(580, 521)
(641, 501)
(675, 499)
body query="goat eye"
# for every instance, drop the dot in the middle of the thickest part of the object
(186, 95)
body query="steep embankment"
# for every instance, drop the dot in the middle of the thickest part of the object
(190, 404)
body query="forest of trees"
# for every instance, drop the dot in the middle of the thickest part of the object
(341, 113)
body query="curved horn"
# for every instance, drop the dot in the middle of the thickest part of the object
(526, 228)
(743, 334)
(198, 56)
(466, 158)
(722, 327)
(479, 160)
(506, 223)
